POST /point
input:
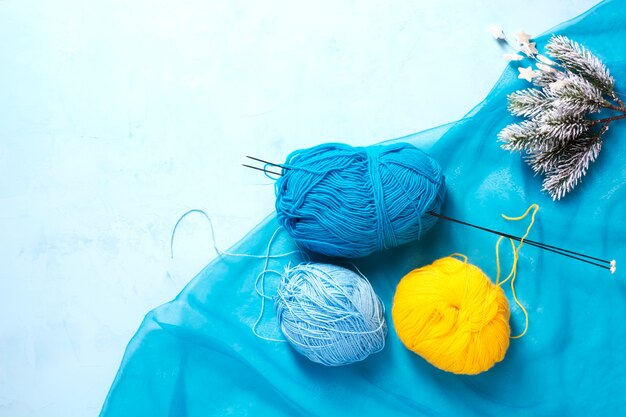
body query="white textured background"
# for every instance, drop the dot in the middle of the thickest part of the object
(118, 116)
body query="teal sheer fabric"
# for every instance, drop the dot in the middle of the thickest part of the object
(197, 355)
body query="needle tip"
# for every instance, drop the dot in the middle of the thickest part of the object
(613, 266)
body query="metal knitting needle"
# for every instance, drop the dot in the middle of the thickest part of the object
(267, 162)
(610, 265)
(530, 242)
(261, 169)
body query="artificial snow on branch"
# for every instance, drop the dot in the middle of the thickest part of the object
(576, 58)
(564, 113)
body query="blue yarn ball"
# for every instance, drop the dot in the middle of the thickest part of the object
(330, 314)
(339, 200)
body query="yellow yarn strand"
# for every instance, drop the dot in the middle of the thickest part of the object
(459, 256)
(513, 274)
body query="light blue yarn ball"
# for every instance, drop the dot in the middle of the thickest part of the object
(339, 200)
(330, 314)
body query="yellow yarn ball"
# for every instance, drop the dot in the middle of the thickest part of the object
(453, 316)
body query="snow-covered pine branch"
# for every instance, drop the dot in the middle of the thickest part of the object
(571, 165)
(523, 136)
(530, 102)
(576, 90)
(577, 59)
(559, 136)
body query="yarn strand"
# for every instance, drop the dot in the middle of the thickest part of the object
(513, 274)
(260, 278)
(214, 240)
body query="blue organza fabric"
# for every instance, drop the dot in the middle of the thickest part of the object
(197, 355)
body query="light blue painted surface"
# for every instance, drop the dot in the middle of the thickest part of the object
(116, 117)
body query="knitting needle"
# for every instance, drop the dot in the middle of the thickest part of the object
(267, 162)
(565, 252)
(611, 265)
(531, 242)
(261, 169)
